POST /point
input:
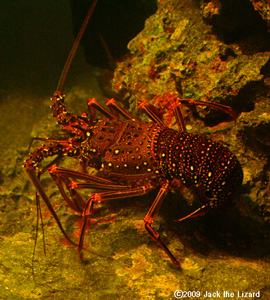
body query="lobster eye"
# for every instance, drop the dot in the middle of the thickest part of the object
(209, 194)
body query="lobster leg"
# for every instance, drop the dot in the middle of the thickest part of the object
(105, 196)
(111, 103)
(177, 109)
(197, 213)
(114, 192)
(151, 112)
(116, 109)
(62, 176)
(225, 108)
(149, 218)
(93, 105)
(204, 208)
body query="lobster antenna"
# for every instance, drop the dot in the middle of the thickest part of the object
(73, 50)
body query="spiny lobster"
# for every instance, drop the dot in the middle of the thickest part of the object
(134, 157)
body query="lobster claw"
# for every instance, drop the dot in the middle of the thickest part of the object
(198, 212)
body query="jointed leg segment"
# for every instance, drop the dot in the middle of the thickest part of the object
(109, 191)
(151, 110)
(149, 218)
(64, 178)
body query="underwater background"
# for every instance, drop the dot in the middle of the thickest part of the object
(216, 51)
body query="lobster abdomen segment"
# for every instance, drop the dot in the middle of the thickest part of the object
(199, 161)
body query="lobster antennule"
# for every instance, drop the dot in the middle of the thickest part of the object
(36, 182)
(197, 213)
